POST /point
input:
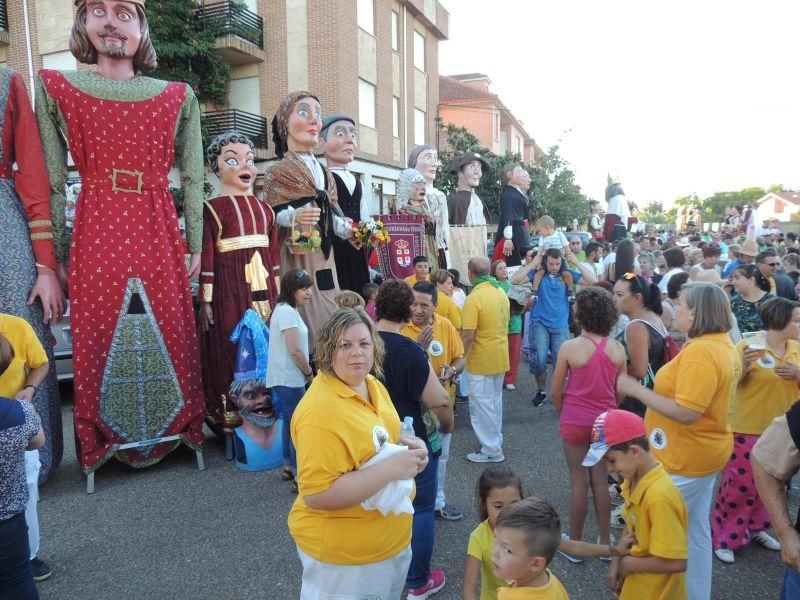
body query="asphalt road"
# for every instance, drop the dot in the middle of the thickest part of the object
(173, 532)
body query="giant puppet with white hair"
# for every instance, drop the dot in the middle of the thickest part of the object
(136, 359)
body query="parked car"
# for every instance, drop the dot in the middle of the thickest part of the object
(62, 346)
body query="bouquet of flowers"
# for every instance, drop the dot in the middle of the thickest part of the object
(369, 233)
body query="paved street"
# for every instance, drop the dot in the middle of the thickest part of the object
(173, 532)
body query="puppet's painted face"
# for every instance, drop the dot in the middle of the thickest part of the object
(341, 143)
(236, 168)
(255, 405)
(427, 164)
(114, 28)
(304, 125)
(470, 174)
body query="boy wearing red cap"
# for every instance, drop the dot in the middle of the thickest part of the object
(654, 511)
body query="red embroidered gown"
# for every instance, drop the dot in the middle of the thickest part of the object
(136, 359)
(236, 274)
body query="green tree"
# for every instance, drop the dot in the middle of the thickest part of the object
(553, 189)
(714, 206)
(653, 212)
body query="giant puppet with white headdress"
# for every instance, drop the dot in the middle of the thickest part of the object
(136, 359)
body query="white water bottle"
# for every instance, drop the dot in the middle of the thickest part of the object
(407, 426)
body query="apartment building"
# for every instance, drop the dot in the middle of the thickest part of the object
(376, 60)
(466, 100)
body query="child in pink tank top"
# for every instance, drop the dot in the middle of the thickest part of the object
(584, 385)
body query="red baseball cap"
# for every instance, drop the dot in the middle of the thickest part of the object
(611, 428)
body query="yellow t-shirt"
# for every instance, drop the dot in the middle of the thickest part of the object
(449, 346)
(763, 395)
(703, 377)
(448, 309)
(335, 431)
(412, 279)
(481, 541)
(487, 312)
(28, 352)
(552, 590)
(656, 516)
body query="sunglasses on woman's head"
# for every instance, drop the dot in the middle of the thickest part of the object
(300, 273)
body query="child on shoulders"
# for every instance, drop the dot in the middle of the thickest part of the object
(549, 239)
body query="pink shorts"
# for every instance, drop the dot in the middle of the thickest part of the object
(576, 435)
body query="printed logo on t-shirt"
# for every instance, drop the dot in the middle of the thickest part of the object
(436, 348)
(658, 439)
(379, 437)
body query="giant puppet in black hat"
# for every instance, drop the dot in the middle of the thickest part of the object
(465, 207)
(339, 141)
(136, 358)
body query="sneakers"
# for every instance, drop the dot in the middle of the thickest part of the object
(766, 540)
(449, 512)
(510, 386)
(573, 559)
(436, 581)
(724, 555)
(480, 457)
(539, 398)
(616, 517)
(41, 570)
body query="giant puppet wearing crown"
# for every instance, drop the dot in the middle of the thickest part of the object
(136, 360)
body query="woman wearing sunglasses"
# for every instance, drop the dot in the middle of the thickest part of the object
(644, 335)
(288, 370)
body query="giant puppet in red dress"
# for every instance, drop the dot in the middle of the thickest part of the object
(136, 359)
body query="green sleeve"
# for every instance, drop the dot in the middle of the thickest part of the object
(51, 125)
(189, 158)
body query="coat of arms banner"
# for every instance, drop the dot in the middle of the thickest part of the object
(396, 257)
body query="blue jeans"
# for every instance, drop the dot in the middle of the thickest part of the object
(542, 339)
(286, 400)
(16, 577)
(424, 528)
(791, 585)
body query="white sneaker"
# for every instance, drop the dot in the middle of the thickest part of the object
(766, 540)
(616, 517)
(509, 386)
(480, 457)
(613, 542)
(724, 555)
(573, 559)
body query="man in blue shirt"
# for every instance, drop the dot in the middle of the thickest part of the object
(550, 313)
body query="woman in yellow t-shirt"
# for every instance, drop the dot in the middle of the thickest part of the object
(687, 415)
(342, 422)
(446, 307)
(768, 388)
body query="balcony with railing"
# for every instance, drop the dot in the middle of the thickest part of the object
(239, 31)
(253, 126)
(5, 39)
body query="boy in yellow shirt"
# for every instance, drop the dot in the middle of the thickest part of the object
(654, 511)
(527, 534)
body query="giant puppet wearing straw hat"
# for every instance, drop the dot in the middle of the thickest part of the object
(136, 360)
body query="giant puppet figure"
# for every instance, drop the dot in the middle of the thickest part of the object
(465, 207)
(303, 194)
(136, 359)
(512, 226)
(618, 209)
(28, 285)
(236, 269)
(425, 159)
(339, 141)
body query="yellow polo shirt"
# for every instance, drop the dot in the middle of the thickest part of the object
(28, 352)
(487, 312)
(449, 348)
(448, 309)
(703, 377)
(335, 431)
(552, 590)
(763, 395)
(481, 542)
(412, 279)
(656, 516)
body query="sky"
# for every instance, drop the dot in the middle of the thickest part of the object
(673, 98)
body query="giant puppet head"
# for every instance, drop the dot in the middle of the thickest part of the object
(297, 123)
(339, 140)
(231, 158)
(425, 159)
(114, 28)
(469, 167)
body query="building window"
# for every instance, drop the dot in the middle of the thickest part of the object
(396, 116)
(366, 15)
(419, 51)
(366, 103)
(395, 31)
(59, 61)
(419, 127)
